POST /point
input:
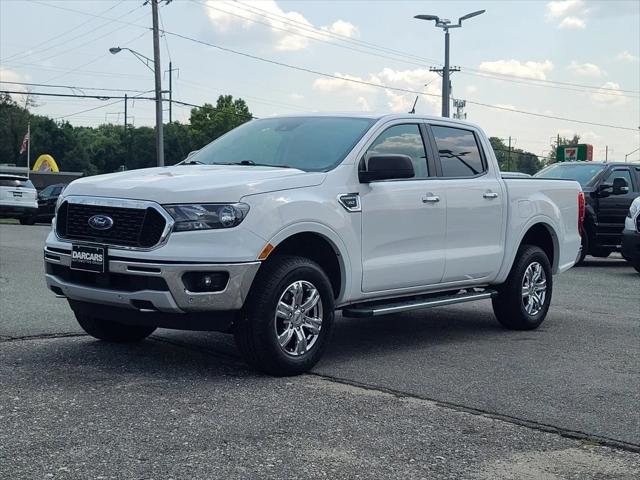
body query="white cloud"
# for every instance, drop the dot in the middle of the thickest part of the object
(570, 14)
(586, 69)
(363, 104)
(382, 98)
(561, 8)
(296, 96)
(290, 29)
(7, 75)
(609, 94)
(342, 28)
(625, 56)
(471, 89)
(536, 70)
(572, 23)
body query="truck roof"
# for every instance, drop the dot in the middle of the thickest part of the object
(378, 116)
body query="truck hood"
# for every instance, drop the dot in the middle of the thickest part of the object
(194, 183)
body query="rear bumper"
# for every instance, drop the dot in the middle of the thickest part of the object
(161, 285)
(631, 244)
(17, 210)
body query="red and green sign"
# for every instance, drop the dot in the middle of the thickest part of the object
(574, 153)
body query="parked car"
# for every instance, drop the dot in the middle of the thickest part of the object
(609, 189)
(631, 235)
(269, 229)
(47, 199)
(17, 198)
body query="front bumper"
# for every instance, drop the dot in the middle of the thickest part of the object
(166, 294)
(631, 245)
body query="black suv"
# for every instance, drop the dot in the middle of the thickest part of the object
(609, 189)
(47, 198)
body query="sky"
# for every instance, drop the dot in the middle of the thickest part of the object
(573, 59)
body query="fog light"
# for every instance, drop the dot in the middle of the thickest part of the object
(201, 282)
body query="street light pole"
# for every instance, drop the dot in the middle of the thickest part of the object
(158, 84)
(445, 24)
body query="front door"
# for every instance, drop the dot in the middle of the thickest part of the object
(403, 221)
(613, 209)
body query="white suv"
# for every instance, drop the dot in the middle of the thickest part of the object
(18, 198)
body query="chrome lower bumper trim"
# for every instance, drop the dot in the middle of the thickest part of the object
(177, 299)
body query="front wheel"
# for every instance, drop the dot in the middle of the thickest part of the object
(523, 300)
(110, 331)
(288, 318)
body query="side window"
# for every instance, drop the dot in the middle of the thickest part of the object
(459, 152)
(624, 173)
(403, 140)
(56, 191)
(47, 191)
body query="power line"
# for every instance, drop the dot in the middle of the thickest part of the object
(303, 26)
(48, 85)
(387, 87)
(75, 95)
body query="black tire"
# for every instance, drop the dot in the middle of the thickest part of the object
(636, 264)
(111, 331)
(256, 331)
(584, 248)
(509, 305)
(27, 221)
(600, 252)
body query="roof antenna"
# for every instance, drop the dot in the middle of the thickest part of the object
(413, 110)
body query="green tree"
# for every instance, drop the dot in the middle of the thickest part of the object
(209, 122)
(517, 161)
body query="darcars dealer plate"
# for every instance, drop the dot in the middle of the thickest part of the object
(88, 258)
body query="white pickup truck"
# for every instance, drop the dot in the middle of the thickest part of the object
(271, 228)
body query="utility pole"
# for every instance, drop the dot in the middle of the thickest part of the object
(158, 84)
(126, 130)
(509, 157)
(446, 84)
(170, 71)
(446, 24)
(606, 153)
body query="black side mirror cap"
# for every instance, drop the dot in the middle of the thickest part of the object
(620, 186)
(386, 167)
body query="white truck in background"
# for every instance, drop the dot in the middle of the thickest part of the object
(271, 228)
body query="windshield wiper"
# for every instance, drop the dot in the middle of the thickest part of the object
(192, 162)
(251, 163)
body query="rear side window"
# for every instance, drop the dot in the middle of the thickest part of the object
(459, 152)
(403, 140)
(15, 182)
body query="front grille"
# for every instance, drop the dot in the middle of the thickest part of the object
(109, 281)
(132, 227)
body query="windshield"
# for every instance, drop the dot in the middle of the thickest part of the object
(15, 182)
(308, 143)
(583, 173)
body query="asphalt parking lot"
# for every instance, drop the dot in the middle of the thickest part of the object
(444, 393)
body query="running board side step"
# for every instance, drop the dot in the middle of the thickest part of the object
(416, 303)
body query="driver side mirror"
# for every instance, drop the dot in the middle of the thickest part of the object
(620, 186)
(386, 167)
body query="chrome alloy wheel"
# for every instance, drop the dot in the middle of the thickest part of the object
(534, 288)
(298, 318)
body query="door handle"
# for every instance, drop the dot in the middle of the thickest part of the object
(430, 199)
(490, 195)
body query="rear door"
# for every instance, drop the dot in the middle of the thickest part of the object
(403, 221)
(613, 209)
(475, 205)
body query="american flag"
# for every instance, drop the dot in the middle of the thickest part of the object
(25, 143)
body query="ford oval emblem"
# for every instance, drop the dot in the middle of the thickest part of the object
(100, 222)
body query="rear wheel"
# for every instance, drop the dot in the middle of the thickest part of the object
(111, 331)
(601, 252)
(288, 319)
(523, 300)
(584, 248)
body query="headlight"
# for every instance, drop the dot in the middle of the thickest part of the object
(635, 207)
(206, 216)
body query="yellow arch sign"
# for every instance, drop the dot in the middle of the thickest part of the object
(45, 163)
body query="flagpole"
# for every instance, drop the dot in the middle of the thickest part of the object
(28, 148)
